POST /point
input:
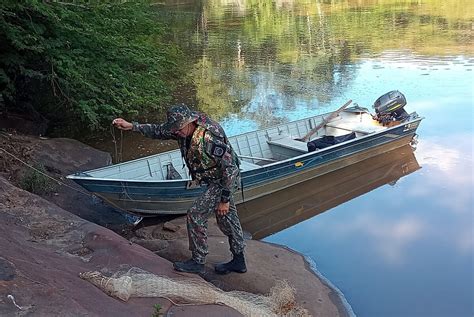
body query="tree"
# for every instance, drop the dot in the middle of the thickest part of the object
(78, 66)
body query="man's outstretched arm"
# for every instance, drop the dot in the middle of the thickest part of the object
(154, 131)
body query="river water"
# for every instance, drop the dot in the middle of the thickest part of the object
(393, 234)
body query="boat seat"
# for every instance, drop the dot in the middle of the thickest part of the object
(247, 166)
(289, 143)
(355, 127)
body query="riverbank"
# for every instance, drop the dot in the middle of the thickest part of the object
(47, 241)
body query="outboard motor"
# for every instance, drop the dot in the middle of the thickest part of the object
(389, 108)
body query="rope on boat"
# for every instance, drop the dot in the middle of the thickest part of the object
(124, 187)
(118, 154)
(124, 191)
(46, 175)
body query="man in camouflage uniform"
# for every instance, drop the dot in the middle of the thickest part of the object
(212, 162)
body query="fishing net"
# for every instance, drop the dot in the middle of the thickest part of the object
(136, 282)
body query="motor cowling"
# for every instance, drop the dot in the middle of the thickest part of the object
(389, 107)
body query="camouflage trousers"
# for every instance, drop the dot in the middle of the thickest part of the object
(197, 217)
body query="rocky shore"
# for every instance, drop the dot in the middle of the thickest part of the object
(47, 240)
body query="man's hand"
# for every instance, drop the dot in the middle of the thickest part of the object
(122, 124)
(223, 208)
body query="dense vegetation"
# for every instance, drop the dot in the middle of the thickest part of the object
(76, 66)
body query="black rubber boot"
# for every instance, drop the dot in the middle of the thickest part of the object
(236, 265)
(189, 266)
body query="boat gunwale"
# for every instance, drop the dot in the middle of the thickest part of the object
(252, 185)
(260, 169)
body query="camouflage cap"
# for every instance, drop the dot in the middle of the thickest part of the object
(179, 116)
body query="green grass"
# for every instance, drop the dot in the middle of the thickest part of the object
(35, 182)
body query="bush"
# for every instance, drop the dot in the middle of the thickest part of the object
(36, 182)
(79, 65)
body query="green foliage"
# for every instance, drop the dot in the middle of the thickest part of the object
(36, 182)
(157, 312)
(80, 65)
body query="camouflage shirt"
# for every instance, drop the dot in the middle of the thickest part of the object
(208, 153)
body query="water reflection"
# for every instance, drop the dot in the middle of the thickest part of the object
(259, 63)
(411, 243)
(270, 214)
